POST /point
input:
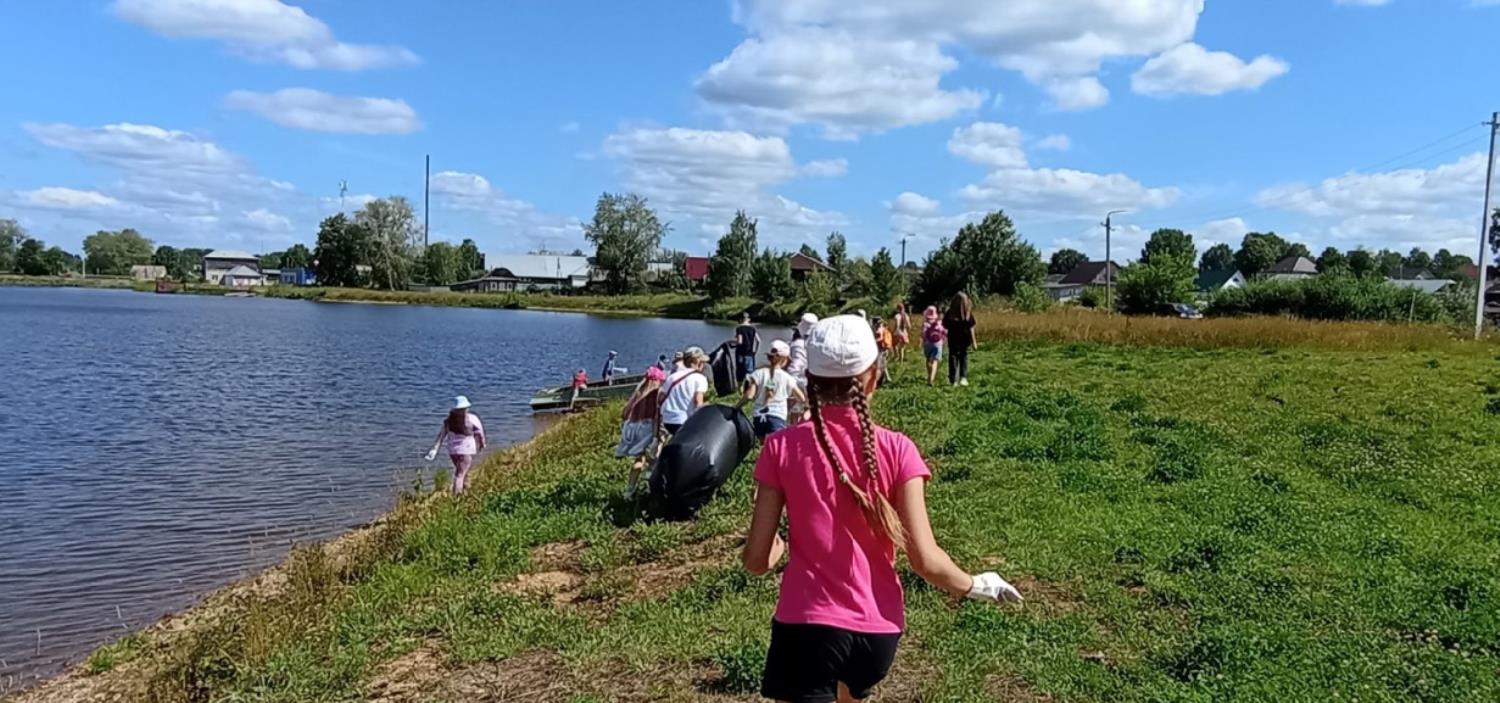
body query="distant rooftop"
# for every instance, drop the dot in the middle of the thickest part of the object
(230, 254)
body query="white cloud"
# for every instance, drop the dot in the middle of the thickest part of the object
(699, 178)
(909, 203)
(516, 219)
(1402, 208)
(989, 143)
(849, 84)
(1014, 186)
(262, 30)
(58, 198)
(569, 127)
(304, 108)
(826, 168)
(1228, 231)
(1071, 93)
(1190, 69)
(1364, 3)
(1054, 142)
(267, 221)
(137, 147)
(863, 66)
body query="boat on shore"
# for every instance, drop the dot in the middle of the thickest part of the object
(559, 399)
(166, 285)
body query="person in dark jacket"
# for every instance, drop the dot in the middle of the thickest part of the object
(746, 345)
(959, 321)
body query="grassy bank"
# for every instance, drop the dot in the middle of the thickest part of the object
(1188, 524)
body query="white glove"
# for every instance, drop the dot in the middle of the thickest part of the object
(432, 454)
(988, 586)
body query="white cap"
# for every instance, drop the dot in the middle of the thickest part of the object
(806, 324)
(780, 348)
(862, 314)
(841, 347)
(461, 402)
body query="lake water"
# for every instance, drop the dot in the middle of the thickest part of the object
(155, 447)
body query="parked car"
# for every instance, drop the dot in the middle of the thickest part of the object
(1182, 310)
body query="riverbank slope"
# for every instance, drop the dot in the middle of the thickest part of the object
(1210, 519)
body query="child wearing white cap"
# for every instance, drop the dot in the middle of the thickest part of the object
(853, 493)
(465, 435)
(771, 387)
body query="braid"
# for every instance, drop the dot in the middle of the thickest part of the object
(882, 514)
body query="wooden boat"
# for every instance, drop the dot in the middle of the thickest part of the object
(558, 399)
(165, 285)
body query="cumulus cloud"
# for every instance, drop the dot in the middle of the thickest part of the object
(989, 143)
(139, 148)
(1227, 231)
(262, 30)
(1190, 69)
(1401, 208)
(699, 178)
(909, 203)
(518, 220)
(1013, 185)
(865, 66)
(848, 84)
(304, 108)
(1054, 142)
(58, 198)
(267, 221)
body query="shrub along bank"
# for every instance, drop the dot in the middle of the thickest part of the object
(1187, 524)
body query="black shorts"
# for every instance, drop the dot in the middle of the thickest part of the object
(806, 663)
(671, 427)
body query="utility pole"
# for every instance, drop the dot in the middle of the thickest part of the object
(343, 189)
(905, 236)
(426, 189)
(1484, 226)
(1109, 277)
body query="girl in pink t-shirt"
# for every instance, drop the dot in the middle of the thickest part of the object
(464, 434)
(853, 493)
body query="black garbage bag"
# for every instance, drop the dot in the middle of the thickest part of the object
(722, 367)
(698, 460)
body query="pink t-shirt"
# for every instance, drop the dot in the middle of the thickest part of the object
(465, 444)
(841, 572)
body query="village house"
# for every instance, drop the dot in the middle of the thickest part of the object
(1210, 282)
(530, 272)
(219, 262)
(1292, 268)
(147, 272)
(804, 266)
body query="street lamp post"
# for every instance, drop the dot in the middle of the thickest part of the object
(1109, 278)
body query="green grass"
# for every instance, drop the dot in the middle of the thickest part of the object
(1187, 525)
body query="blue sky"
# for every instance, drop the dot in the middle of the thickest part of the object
(230, 123)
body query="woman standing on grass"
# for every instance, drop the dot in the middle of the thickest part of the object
(901, 324)
(853, 493)
(465, 435)
(683, 393)
(933, 336)
(638, 426)
(960, 325)
(771, 388)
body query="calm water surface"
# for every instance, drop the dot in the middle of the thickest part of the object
(154, 447)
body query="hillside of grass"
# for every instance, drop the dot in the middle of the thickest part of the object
(1187, 523)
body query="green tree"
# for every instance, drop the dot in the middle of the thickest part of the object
(12, 234)
(339, 252)
(1417, 261)
(58, 261)
(168, 257)
(1258, 252)
(1446, 265)
(729, 267)
(887, 282)
(1218, 257)
(986, 258)
(838, 254)
(625, 233)
(819, 294)
(859, 280)
(1065, 260)
(441, 264)
(1296, 249)
(808, 250)
(392, 241)
(190, 264)
(1146, 287)
(1169, 242)
(1388, 263)
(271, 260)
(115, 252)
(30, 259)
(1361, 262)
(771, 277)
(296, 256)
(473, 260)
(1332, 260)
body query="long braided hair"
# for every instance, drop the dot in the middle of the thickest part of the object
(866, 485)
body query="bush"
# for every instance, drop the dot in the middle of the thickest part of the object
(1146, 288)
(1030, 298)
(1339, 297)
(1091, 297)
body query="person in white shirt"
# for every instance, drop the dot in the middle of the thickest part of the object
(770, 387)
(684, 391)
(797, 365)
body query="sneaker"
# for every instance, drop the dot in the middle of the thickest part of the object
(963, 381)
